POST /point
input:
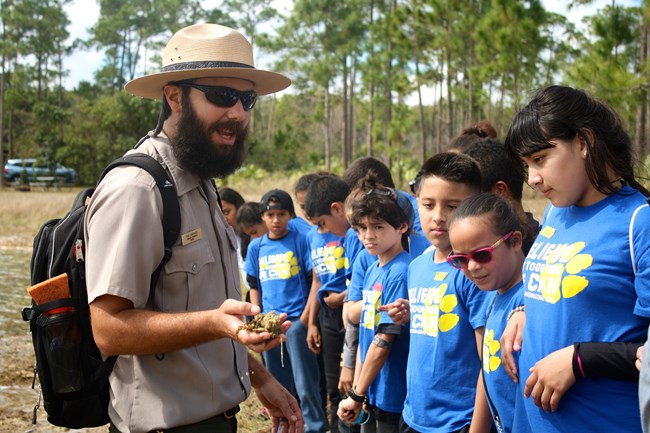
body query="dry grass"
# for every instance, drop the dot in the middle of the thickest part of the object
(23, 212)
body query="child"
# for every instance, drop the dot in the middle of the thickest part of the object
(360, 167)
(325, 206)
(486, 238)
(447, 312)
(250, 221)
(586, 275)
(501, 176)
(380, 374)
(325, 330)
(231, 201)
(279, 275)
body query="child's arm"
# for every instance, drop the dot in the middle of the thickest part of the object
(313, 336)
(511, 342)
(482, 418)
(254, 290)
(364, 375)
(354, 311)
(375, 358)
(350, 355)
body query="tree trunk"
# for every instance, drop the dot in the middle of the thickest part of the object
(328, 127)
(450, 109)
(269, 126)
(346, 137)
(370, 139)
(351, 127)
(640, 113)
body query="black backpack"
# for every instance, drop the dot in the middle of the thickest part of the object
(72, 374)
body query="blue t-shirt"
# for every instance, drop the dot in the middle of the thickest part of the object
(417, 243)
(298, 224)
(500, 387)
(443, 364)
(580, 286)
(362, 263)
(328, 261)
(383, 285)
(352, 246)
(281, 267)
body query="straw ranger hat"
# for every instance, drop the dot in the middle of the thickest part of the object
(207, 50)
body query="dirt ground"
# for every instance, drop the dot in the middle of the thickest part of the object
(18, 399)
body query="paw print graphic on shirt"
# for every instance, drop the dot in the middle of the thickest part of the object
(334, 259)
(438, 315)
(560, 277)
(490, 348)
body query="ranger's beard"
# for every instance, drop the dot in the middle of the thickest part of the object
(198, 154)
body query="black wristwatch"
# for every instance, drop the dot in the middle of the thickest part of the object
(356, 397)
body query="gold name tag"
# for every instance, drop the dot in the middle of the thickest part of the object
(190, 237)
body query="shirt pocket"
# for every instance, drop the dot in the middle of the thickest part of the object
(187, 273)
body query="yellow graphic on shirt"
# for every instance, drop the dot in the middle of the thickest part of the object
(437, 314)
(491, 361)
(371, 301)
(279, 266)
(565, 258)
(333, 258)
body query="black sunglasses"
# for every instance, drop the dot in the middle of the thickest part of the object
(225, 97)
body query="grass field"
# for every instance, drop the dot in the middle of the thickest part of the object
(23, 212)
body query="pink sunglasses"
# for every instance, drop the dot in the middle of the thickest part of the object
(482, 255)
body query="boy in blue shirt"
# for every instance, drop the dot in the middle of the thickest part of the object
(325, 206)
(278, 269)
(380, 377)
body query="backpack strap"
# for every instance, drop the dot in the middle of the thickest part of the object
(171, 219)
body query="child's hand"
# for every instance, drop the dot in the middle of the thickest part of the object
(345, 380)
(398, 311)
(550, 378)
(334, 300)
(313, 338)
(348, 410)
(511, 342)
(639, 358)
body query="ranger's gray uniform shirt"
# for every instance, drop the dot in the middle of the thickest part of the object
(124, 245)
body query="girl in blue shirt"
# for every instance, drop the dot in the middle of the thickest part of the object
(486, 237)
(587, 275)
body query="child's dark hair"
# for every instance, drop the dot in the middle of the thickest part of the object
(471, 135)
(562, 113)
(496, 165)
(231, 196)
(370, 199)
(248, 214)
(360, 167)
(502, 217)
(452, 167)
(302, 184)
(322, 193)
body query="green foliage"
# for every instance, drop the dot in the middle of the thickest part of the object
(355, 66)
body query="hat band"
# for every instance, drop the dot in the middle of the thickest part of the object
(204, 65)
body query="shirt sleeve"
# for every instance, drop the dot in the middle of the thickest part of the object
(641, 257)
(124, 235)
